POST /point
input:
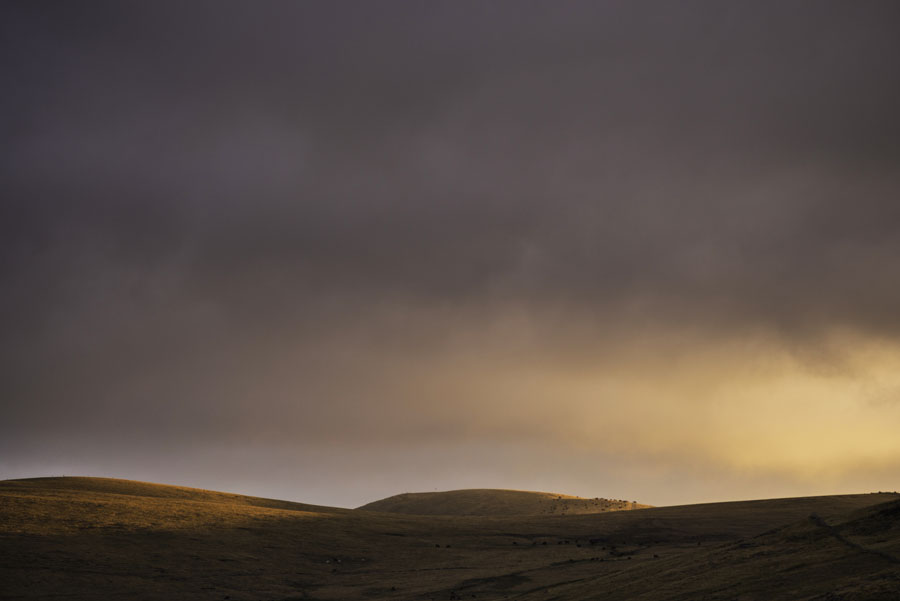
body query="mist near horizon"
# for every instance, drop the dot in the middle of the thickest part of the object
(335, 251)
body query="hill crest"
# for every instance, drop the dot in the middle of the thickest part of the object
(490, 501)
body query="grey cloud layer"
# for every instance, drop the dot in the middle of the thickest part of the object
(207, 203)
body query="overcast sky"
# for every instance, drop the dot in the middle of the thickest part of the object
(333, 251)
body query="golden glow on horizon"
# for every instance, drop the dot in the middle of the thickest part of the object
(743, 405)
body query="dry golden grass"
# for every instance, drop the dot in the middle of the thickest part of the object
(84, 538)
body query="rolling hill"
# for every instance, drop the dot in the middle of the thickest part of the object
(486, 501)
(87, 538)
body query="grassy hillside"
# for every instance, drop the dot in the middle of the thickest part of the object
(486, 501)
(82, 538)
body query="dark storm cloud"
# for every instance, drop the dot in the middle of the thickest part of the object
(206, 203)
(668, 151)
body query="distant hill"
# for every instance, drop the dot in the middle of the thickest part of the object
(489, 501)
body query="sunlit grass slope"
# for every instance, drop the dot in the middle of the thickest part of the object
(58, 505)
(486, 501)
(82, 538)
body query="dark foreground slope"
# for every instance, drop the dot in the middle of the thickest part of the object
(489, 501)
(107, 539)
